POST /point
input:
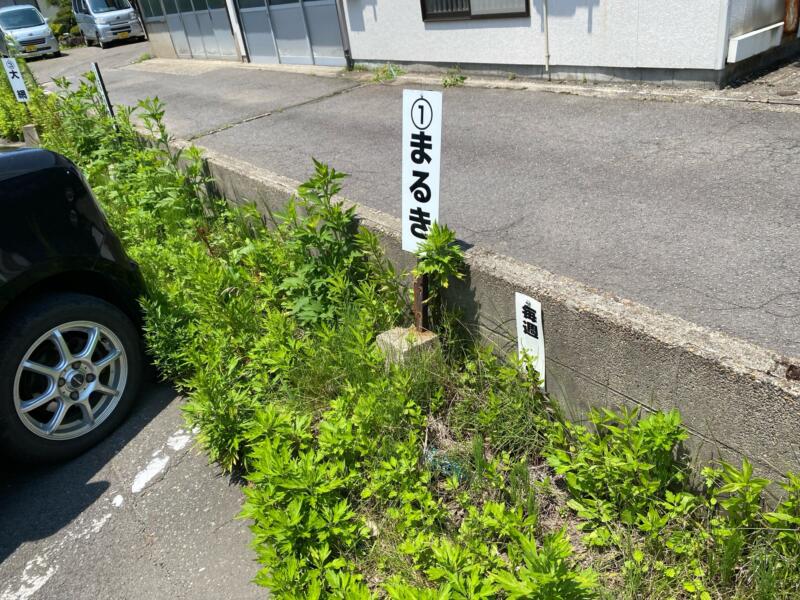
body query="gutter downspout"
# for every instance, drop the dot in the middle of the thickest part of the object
(348, 56)
(546, 40)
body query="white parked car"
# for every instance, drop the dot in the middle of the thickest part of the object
(103, 21)
(24, 29)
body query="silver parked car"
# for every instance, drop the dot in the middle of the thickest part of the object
(25, 30)
(103, 21)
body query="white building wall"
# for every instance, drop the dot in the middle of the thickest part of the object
(671, 34)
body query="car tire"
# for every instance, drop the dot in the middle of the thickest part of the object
(103, 45)
(91, 398)
(56, 54)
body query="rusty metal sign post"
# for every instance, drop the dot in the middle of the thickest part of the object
(421, 321)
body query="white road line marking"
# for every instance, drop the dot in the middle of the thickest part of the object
(178, 440)
(153, 468)
(31, 581)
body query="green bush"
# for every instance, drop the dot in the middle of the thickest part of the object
(14, 114)
(65, 19)
(419, 480)
(620, 471)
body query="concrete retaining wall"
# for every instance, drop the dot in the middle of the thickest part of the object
(736, 398)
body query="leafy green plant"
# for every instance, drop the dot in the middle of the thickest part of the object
(387, 73)
(619, 471)
(422, 480)
(14, 114)
(439, 259)
(453, 78)
(64, 20)
(785, 519)
(546, 573)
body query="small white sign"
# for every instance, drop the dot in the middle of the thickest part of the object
(14, 75)
(422, 145)
(101, 87)
(530, 333)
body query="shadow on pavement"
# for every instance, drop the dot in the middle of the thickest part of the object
(792, 61)
(38, 501)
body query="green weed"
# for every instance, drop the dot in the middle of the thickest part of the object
(412, 481)
(387, 73)
(453, 78)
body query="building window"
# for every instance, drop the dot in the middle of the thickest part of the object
(449, 10)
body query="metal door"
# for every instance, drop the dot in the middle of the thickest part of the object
(176, 31)
(203, 16)
(257, 29)
(200, 28)
(291, 35)
(301, 32)
(192, 28)
(221, 25)
(323, 29)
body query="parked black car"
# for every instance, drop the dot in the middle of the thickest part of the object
(70, 354)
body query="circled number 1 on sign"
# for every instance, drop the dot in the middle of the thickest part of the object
(421, 114)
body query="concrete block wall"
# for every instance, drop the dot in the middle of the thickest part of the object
(737, 399)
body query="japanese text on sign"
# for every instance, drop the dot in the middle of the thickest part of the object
(15, 79)
(530, 334)
(422, 137)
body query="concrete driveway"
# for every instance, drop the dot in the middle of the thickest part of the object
(142, 515)
(688, 207)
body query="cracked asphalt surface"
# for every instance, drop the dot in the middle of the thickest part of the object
(142, 515)
(689, 207)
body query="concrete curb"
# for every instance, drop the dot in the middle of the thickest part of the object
(735, 397)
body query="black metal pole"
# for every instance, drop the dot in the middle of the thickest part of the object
(102, 87)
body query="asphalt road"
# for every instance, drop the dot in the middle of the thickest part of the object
(688, 208)
(142, 515)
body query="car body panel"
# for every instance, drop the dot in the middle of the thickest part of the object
(53, 230)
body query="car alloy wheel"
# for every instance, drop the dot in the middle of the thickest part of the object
(70, 380)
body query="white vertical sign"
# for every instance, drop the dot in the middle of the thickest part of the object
(15, 79)
(422, 146)
(530, 333)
